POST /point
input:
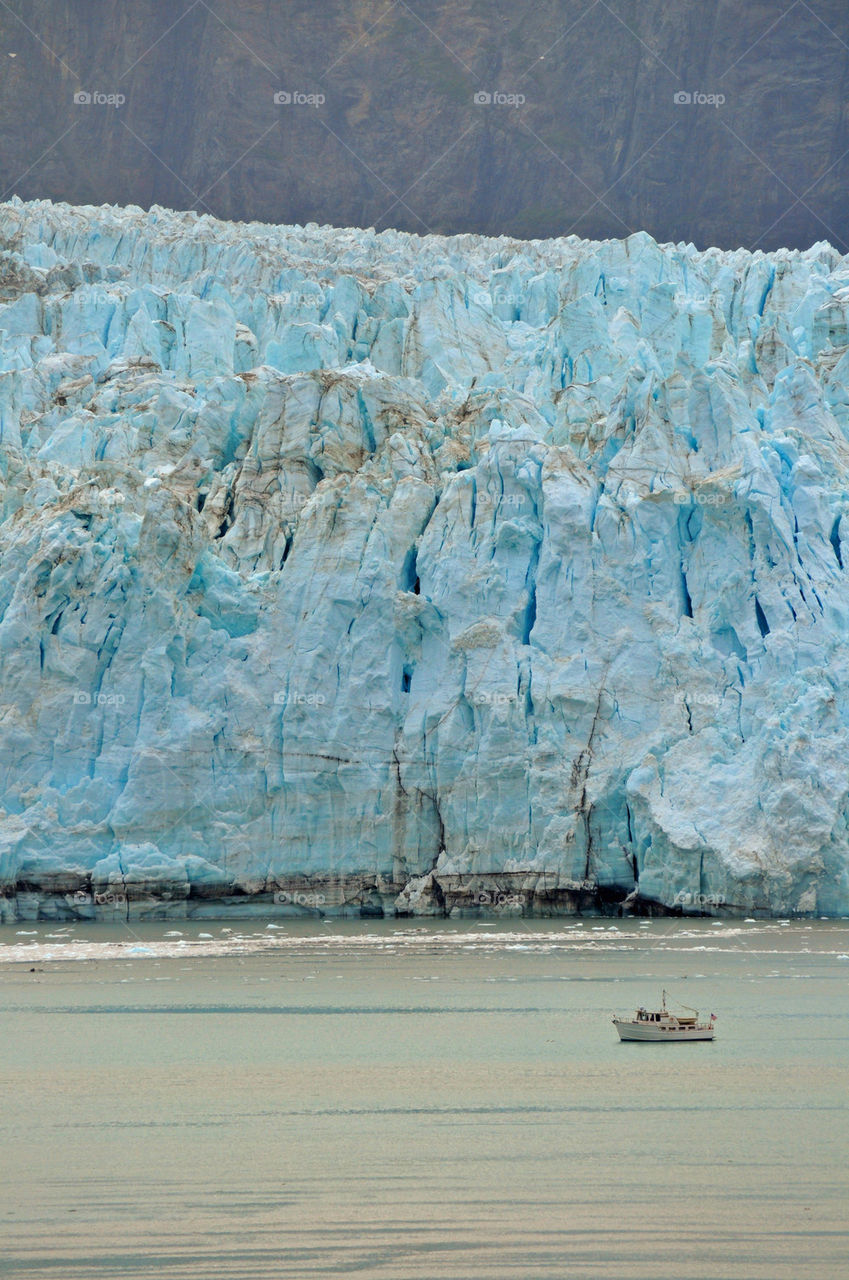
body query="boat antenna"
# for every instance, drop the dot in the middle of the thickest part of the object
(682, 1005)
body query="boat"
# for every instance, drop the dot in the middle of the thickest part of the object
(661, 1025)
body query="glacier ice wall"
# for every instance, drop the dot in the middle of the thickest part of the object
(458, 570)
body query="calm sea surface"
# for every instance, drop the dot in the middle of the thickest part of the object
(423, 1101)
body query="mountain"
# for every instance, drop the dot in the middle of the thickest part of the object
(580, 128)
(384, 573)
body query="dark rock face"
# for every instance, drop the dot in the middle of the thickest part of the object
(599, 146)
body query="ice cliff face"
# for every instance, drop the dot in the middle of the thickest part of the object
(359, 569)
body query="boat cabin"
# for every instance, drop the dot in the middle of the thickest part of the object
(680, 1019)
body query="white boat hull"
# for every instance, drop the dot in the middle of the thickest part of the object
(629, 1030)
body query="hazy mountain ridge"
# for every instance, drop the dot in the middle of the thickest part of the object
(598, 147)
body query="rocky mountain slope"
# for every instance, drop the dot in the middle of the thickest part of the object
(587, 136)
(362, 572)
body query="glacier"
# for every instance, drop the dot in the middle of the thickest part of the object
(358, 573)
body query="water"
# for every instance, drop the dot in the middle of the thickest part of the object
(423, 1102)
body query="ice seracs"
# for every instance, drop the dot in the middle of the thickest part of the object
(458, 574)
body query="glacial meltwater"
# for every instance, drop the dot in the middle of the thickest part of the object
(423, 1100)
